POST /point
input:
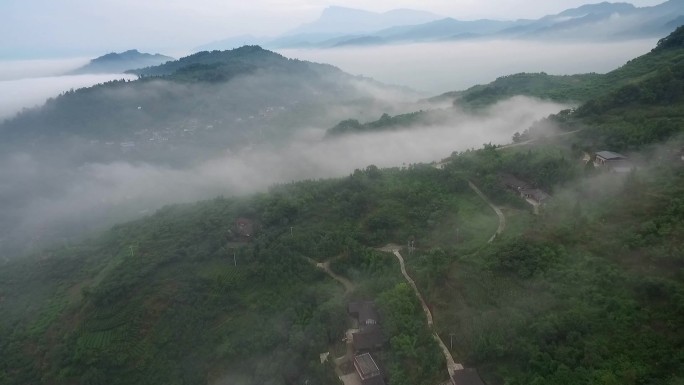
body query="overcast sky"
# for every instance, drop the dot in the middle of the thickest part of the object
(59, 28)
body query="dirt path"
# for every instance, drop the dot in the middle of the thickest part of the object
(452, 366)
(499, 213)
(325, 266)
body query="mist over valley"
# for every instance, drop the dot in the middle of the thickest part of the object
(465, 193)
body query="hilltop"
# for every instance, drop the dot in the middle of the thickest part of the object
(240, 92)
(114, 63)
(176, 116)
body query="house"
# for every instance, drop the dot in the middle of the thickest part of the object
(466, 377)
(537, 196)
(612, 161)
(370, 335)
(533, 196)
(368, 370)
(513, 183)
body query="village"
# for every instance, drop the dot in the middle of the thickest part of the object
(365, 341)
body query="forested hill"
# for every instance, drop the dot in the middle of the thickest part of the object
(213, 99)
(573, 88)
(120, 62)
(246, 57)
(652, 81)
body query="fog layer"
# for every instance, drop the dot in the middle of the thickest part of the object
(53, 199)
(28, 92)
(442, 67)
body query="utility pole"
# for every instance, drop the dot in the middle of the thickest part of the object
(234, 260)
(451, 337)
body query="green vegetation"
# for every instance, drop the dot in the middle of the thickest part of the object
(566, 88)
(160, 300)
(386, 122)
(579, 88)
(591, 291)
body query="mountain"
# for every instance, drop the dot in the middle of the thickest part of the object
(335, 25)
(588, 290)
(231, 43)
(165, 98)
(653, 81)
(121, 62)
(178, 115)
(608, 21)
(604, 21)
(576, 89)
(340, 20)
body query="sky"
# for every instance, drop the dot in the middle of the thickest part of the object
(31, 29)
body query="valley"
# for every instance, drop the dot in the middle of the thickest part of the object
(240, 217)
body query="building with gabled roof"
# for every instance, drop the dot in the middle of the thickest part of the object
(612, 161)
(370, 335)
(536, 195)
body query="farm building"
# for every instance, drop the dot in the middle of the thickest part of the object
(370, 335)
(368, 370)
(612, 161)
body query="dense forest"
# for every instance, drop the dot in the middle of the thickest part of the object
(590, 290)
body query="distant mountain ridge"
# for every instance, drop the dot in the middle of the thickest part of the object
(339, 26)
(120, 62)
(345, 20)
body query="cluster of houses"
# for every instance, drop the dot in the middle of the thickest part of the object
(369, 337)
(603, 160)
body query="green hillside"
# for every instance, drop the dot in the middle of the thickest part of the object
(589, 291)
(197, 106)
(573, 88)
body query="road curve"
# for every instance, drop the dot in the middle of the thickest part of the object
(325, 266)
(499, 213)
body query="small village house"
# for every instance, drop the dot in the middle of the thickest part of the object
(534, 196)
(368, 370)
(369, 335)
(612, 161)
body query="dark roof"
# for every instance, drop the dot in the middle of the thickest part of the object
(609, 155)
(536, 194)
(466, 377)
(512, 182)
(370, 335)
(368, 338)
(366, 312)
(366, 366)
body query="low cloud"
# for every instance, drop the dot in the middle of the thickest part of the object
(34, 91)
(50, 195)
(442, 67)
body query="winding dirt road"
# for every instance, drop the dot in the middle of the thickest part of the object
(452, 366)
(499, 213)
